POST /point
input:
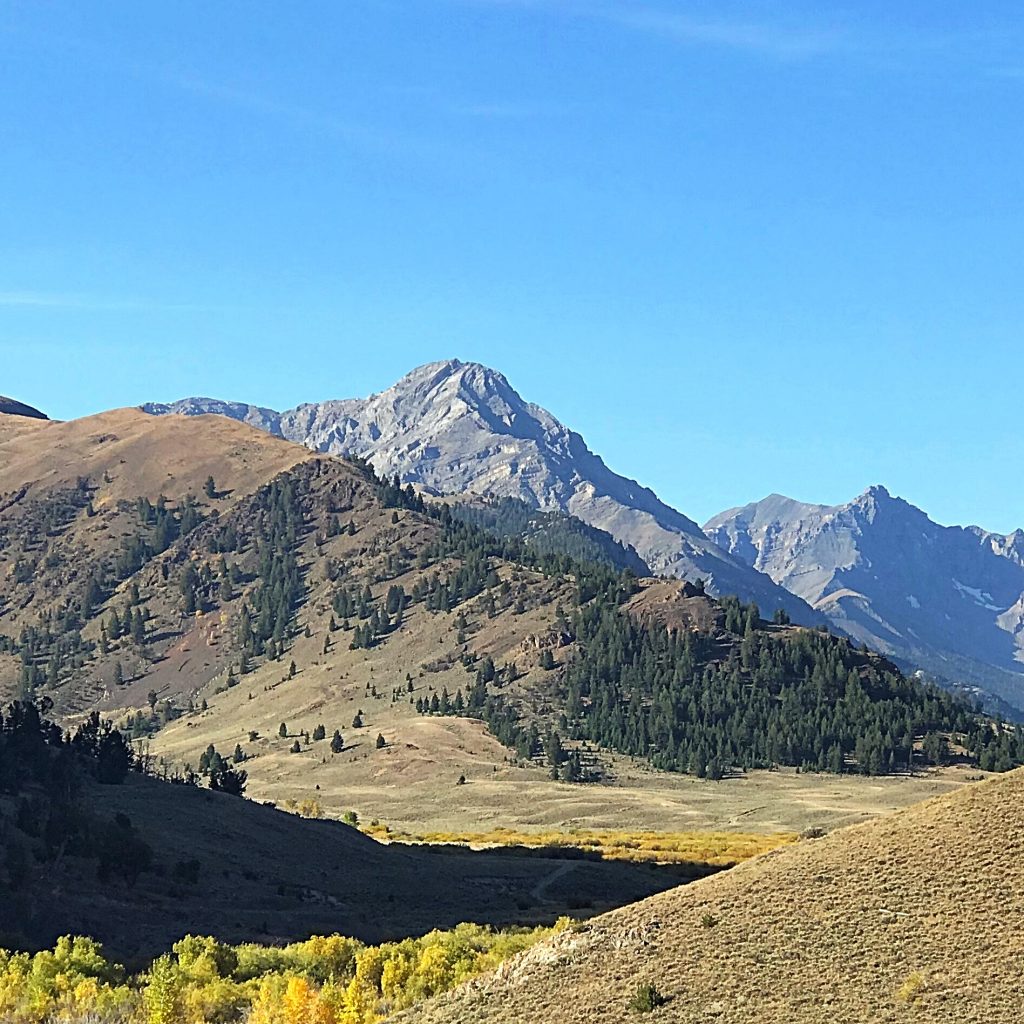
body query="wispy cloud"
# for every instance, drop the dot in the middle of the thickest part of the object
(296, 115)
(769, 39)
(775, 41)
(506, 111)
(442, 156)
(81, 301)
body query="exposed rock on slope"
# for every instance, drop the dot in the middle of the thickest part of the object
(454, 427)
(917, 914)
(948, 599)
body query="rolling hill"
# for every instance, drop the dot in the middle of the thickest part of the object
(213, 582)
(909, 916)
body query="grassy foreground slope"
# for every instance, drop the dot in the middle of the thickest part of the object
(914, 916)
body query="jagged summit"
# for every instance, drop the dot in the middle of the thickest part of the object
(455, 427)
(947, 599)
(254, 415)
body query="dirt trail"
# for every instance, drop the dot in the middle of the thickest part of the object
(547, 881)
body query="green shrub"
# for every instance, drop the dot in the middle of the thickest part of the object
(646, 998)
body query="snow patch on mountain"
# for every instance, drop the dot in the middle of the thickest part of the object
(949, 599)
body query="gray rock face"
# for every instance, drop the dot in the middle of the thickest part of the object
(949, 599)
(12, 407)
(254, 415)
(454, 428)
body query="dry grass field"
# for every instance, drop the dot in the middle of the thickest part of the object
(411, 783)
(915, 916)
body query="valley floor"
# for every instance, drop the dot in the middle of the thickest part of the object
(410, 785)
(639, 800)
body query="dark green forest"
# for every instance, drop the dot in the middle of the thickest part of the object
(549, 533)
(692, 702)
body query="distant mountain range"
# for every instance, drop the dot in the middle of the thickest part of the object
(947, 599)
(460, 428)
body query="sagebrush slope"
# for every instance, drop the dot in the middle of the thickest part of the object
(913, 915)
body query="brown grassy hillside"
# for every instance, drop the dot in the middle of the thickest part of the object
(68, 506)
(141, 455)
(69, 496)
(911, 917)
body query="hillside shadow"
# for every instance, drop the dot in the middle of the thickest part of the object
(266, 875)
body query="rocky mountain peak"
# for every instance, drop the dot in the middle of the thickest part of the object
(942, 598)
(877, 492)
(442, 392)
(454, 427)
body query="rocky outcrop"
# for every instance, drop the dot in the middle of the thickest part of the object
(11, 407)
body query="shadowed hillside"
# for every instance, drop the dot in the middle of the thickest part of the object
(91, 845)
(12, 407)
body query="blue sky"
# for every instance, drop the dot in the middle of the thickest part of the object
(742, 248)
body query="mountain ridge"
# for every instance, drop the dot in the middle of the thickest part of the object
(948, 599)
(453, 427)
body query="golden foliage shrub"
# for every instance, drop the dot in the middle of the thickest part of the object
(720, 849)
(324, 980)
